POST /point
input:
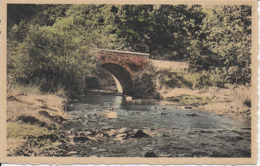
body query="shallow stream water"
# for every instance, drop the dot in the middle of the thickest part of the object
(173, 132)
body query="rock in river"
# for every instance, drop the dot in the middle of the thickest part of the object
(80, 139)
(193, 114)
(150, 154)
(140, 134)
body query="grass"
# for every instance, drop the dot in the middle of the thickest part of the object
(20, 130)
(190, 100)
(33, 119)
(30, 136)
(207, 90)
(33, 89)
(21, 89)
(61, 92)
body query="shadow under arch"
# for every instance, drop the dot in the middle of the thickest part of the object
(121, 74)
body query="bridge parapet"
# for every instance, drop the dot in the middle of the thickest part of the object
(125, 52)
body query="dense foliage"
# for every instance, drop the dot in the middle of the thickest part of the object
(52, 45)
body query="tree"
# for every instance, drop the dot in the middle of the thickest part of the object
(228, 41)
(60, 54)
(164, 31)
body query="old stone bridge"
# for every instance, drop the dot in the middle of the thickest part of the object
(123, 65)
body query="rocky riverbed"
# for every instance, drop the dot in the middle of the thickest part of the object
(109, 126)
(106, 125)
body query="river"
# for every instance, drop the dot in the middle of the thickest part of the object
(146, 128)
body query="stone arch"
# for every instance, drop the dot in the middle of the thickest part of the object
(122, 74)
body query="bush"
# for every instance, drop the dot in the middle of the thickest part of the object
(190, 79)
(179, 79)
(172, 79)
(48, 58)
(144, 85)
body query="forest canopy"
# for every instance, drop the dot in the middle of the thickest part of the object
(52, 45)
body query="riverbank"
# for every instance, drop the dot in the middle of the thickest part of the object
(231, 101)
(179, 86)
(34, 120)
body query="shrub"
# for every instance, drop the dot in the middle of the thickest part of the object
(179, 79)
(144, 85)
(191, 79)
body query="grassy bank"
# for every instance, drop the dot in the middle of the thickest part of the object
(201, 90)
(223, 101)
(33, 119)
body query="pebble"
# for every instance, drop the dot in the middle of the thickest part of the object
(164, 155)
(101, 150)
(163, 113)
(173, 142)
(122, 129)
(147, 148)
(185, 155)
(122, 136)
(72, 153)
(129, 98)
